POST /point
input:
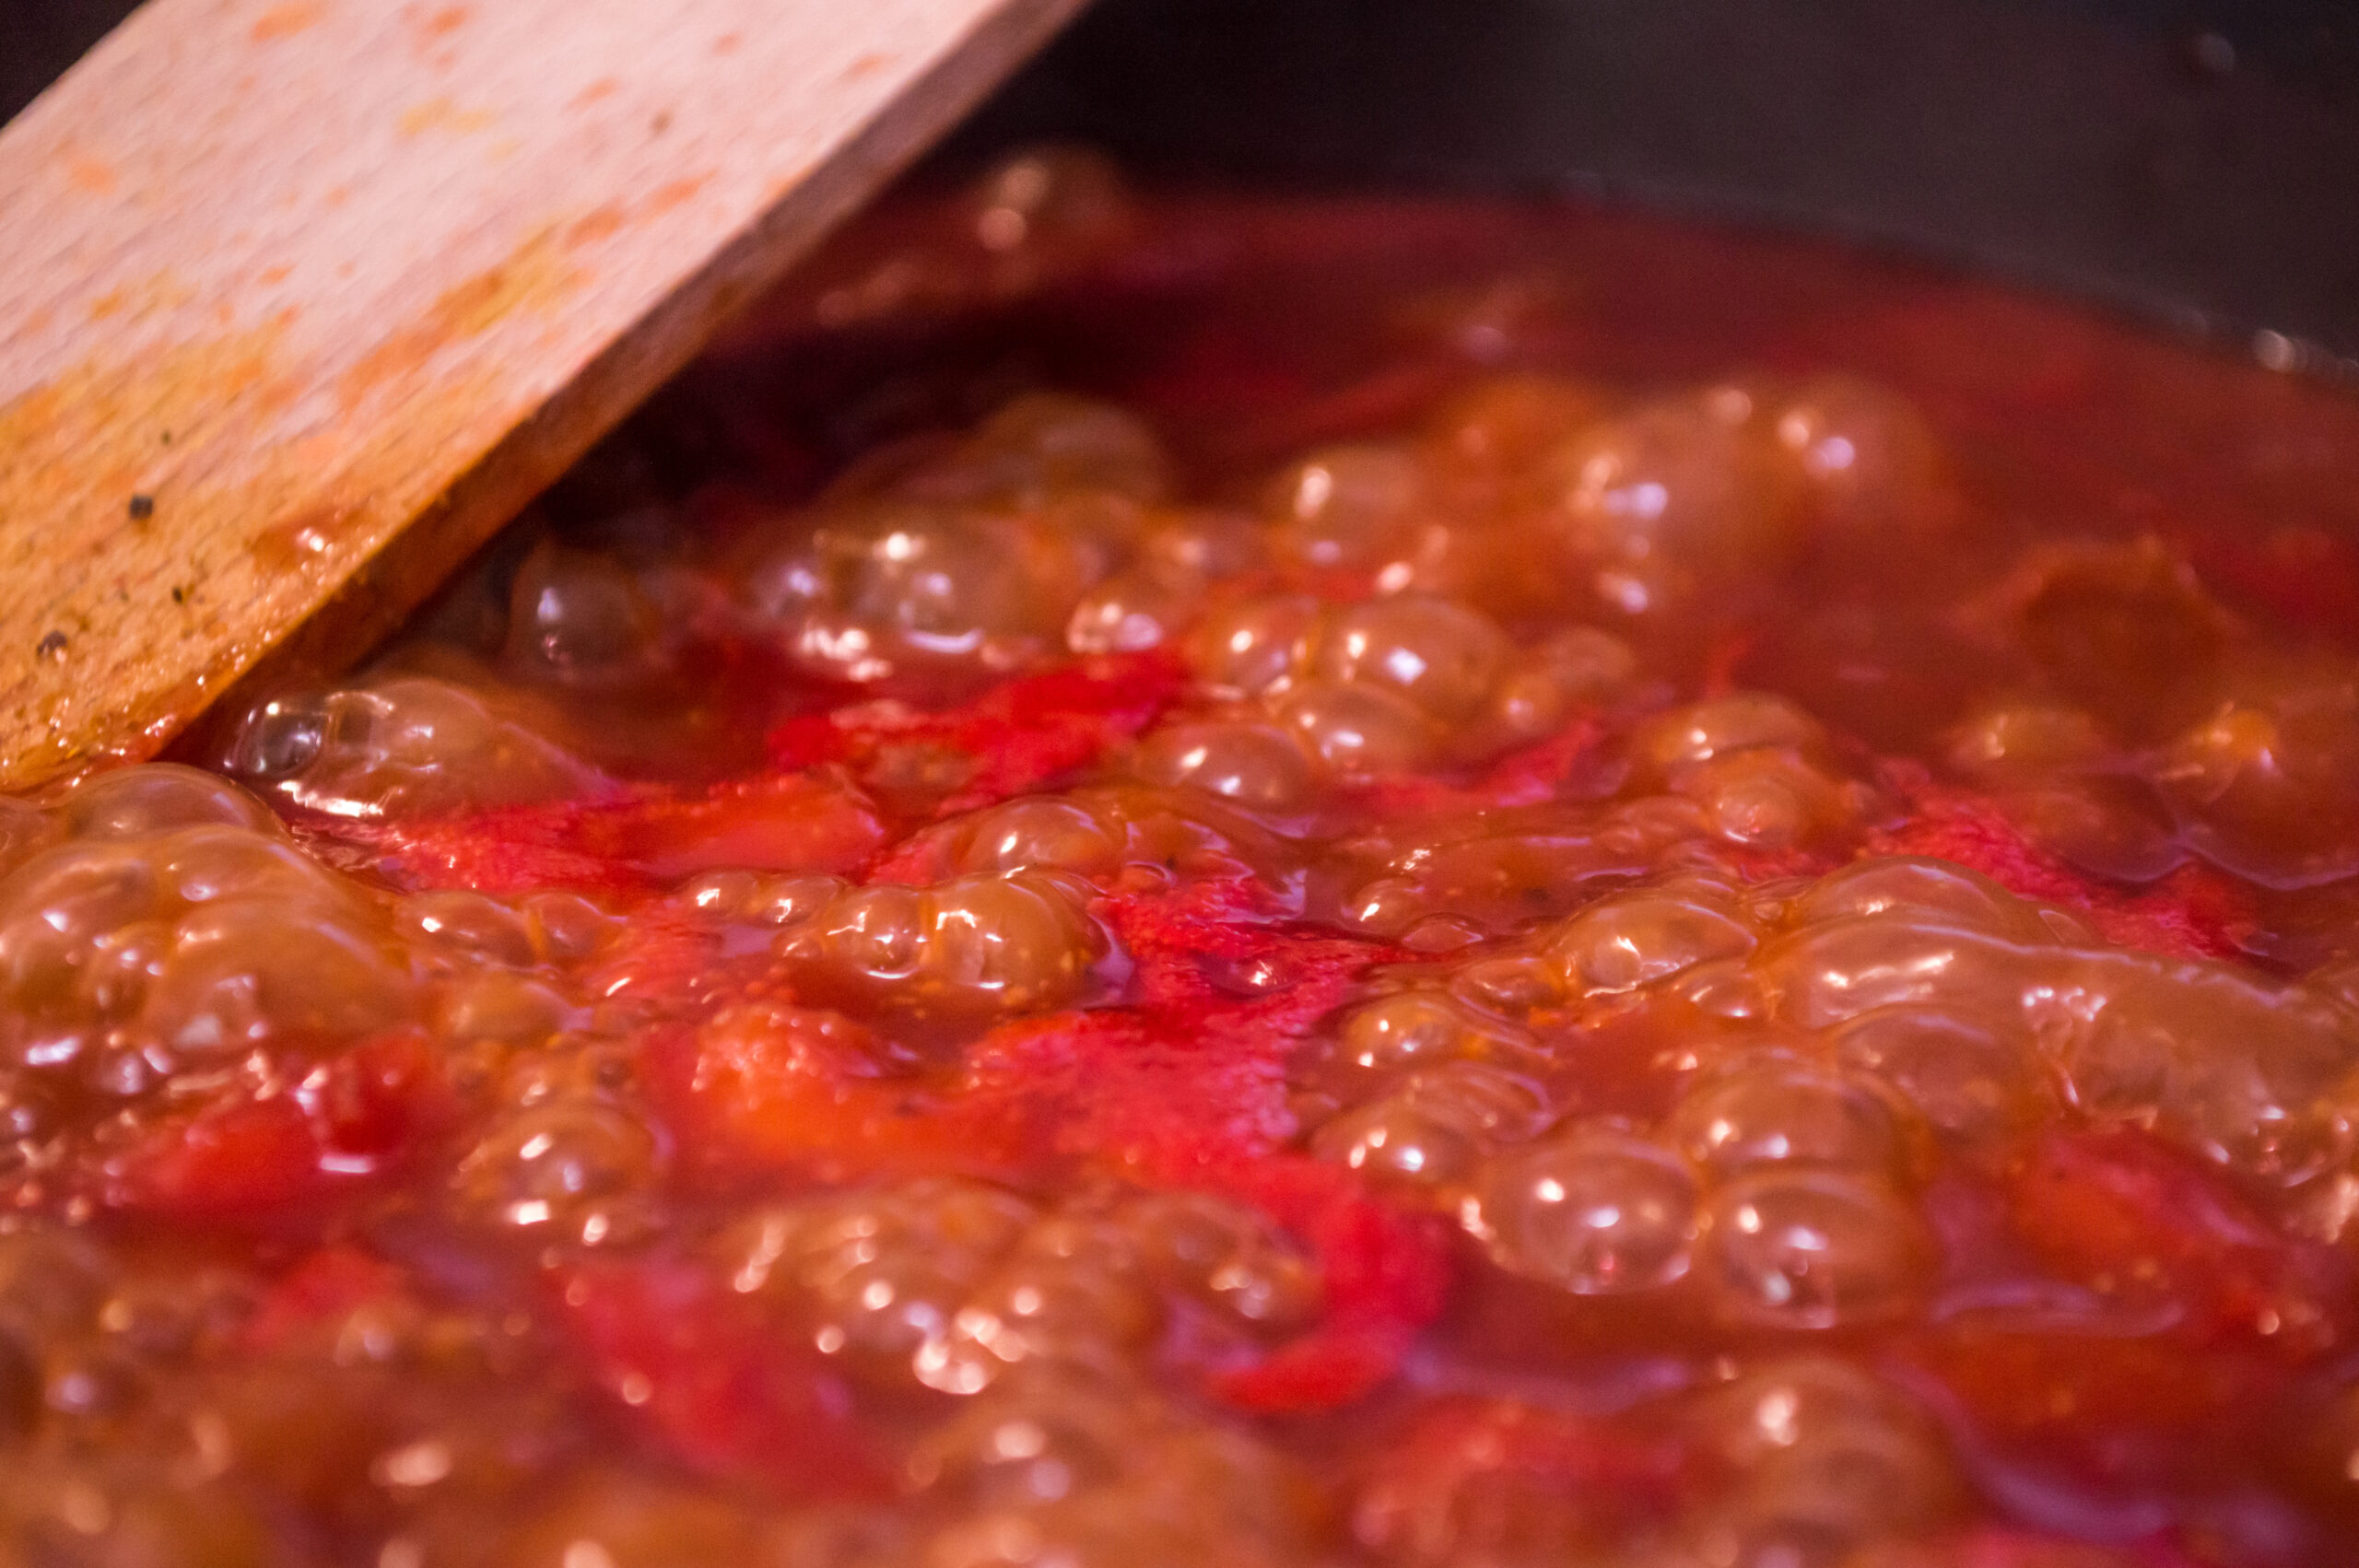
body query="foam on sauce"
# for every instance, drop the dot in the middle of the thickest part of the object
(1163, 879)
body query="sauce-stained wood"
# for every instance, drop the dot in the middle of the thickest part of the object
(299, 299)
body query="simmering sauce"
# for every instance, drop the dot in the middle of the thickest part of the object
(1163, 879)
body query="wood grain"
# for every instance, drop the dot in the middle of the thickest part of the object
(301, 299)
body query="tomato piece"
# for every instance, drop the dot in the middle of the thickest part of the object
(770, 1089)
(354, 1116)
(378, 1099)
(2000, 1548)
(326, 1285)
(1496, 1473)
(2062, 1386)
(1384, 1276)
(721, 1392)
(771, 822)
(249, 1157)
(1527, 776)
(792, 823)
(2194, 911)
(1192, 1075)
(2304, 574)
(1187, 1089)
(1017, 736)
(2125, 1213)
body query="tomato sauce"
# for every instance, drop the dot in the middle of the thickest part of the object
(1166, 878)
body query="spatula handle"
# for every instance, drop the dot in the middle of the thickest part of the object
(299, 299)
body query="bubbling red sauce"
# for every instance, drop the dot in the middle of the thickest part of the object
(1158, 879)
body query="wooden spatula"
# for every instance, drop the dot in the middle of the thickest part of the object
(301, 299)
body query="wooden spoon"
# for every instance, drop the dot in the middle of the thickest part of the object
(301, 299)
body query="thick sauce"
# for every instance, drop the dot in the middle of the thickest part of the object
(1166, 881)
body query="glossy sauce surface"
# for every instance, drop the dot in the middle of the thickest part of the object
(1171, 879)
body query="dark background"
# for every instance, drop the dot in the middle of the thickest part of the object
(2199, 164)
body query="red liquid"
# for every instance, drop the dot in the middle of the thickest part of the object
(1196, 879)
